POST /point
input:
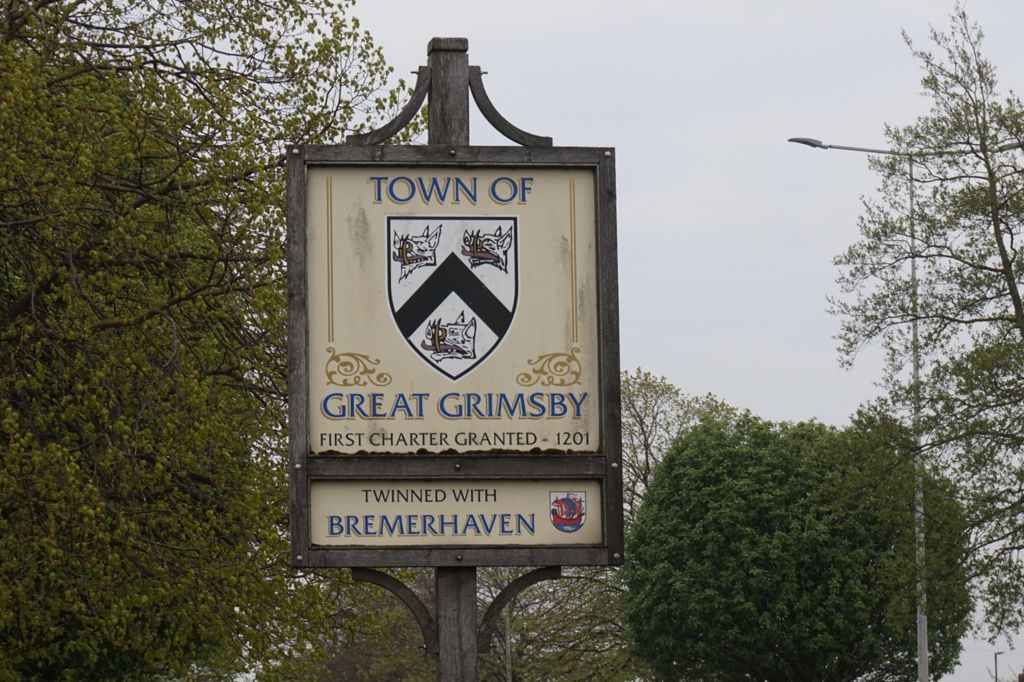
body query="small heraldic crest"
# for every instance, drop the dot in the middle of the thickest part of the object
(568, 510)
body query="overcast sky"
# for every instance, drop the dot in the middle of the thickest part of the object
(726, 231)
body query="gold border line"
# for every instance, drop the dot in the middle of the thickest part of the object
(572, 258)
(330, 260)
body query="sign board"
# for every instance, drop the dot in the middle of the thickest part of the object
(453, 356)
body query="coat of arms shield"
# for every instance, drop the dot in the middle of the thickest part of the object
(453, 285)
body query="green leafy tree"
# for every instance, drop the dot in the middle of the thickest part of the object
(568, 629)
(966, 238)
(142, 497)
(370, 636)
(785, 552)
(654, 413)
(575, 628)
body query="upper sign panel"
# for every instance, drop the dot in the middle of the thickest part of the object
(452, 310)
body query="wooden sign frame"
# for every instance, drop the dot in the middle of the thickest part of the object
(307, 468)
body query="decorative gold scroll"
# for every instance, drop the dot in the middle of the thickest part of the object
(553, 369)
(354, 369)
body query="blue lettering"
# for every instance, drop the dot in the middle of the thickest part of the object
(377, 406)
(442, 406)
(516, 408)
(536, 401)
(401, 403)
(335, 525)
(524, 189)
(577, 404)
(429, 191)
(412, 524)
(392, 526)
(473, 405)
(410, 187)
(506, 524)
(428, 524)
(461, 188)
(471, 521)
(378, 183)
(558, 408)
(510, 191)
(488, 527)
(521, 523)
(355, 404)
(352, 525)
(453, 524)
(418, 397)
(368, 525)
(325, 407)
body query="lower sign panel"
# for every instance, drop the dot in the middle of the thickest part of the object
(446, 513)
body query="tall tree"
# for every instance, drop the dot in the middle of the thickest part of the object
(575, 628)
(142, 496)
(654, 414)
(785, 552)
(568, 629)
(965, 238)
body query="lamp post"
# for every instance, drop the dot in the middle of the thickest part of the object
(919, 535)
(995, 671)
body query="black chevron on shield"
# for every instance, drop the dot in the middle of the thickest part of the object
(453, 276)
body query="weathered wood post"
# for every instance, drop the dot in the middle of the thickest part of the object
(455, 588)
(456, 624)
(395, 460)
(448, 59)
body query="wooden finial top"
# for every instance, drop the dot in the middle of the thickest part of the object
(448, 45)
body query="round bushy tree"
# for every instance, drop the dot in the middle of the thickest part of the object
(786, 552)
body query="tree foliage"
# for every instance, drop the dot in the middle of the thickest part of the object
(142, 499)
(654, 414)
(370, 635)
(785, 552)
(567, 629)
(574, 628)
(966, 239)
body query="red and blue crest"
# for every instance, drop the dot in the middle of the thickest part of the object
(568, 510)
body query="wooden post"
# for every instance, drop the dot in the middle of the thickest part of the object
(455, 593)
(455, 590)
(448, 103)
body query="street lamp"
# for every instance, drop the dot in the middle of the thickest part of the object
(922, 592)
(995, 671)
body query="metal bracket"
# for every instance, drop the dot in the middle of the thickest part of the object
(395, 125)
(427, 623)
(422, 88)
(500, 123)
(511, 591)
